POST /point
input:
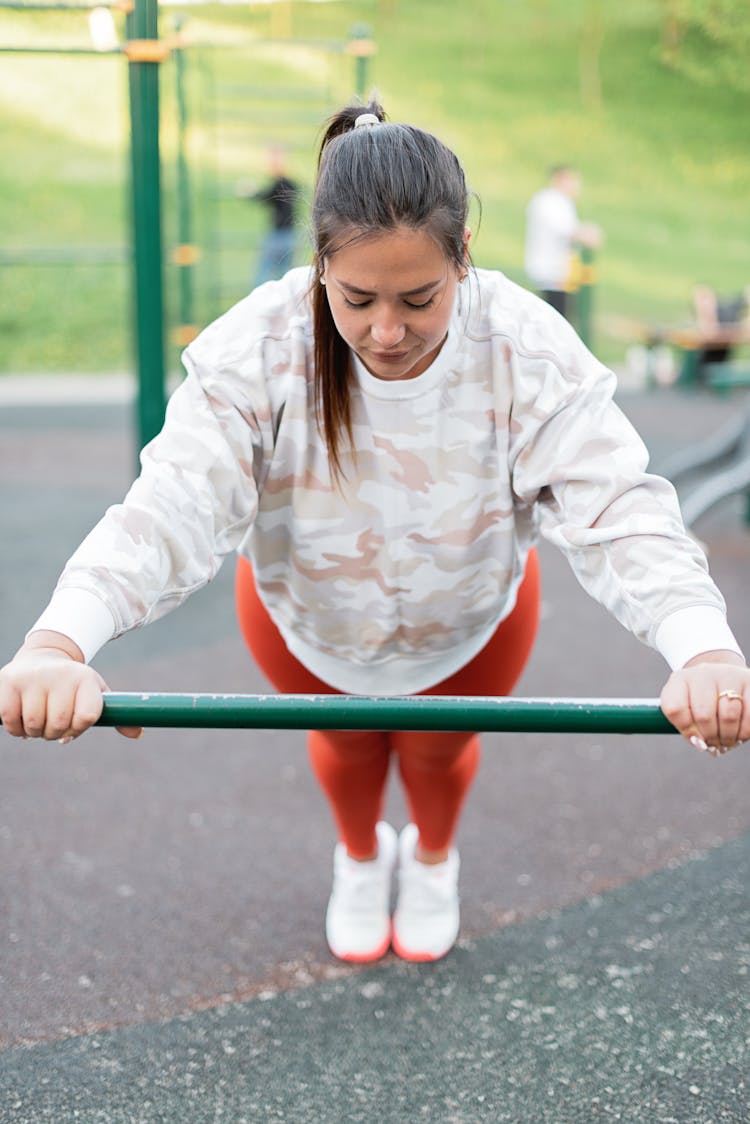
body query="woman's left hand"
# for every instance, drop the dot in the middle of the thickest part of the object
(708, 700)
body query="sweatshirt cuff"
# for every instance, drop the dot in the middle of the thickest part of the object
(688, 632)
(81, 616)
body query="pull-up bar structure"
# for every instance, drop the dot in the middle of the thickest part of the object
(370, 712)
(145, 51)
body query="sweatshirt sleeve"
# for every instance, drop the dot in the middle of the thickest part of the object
(197, 494)
(193, 502)
(577, 458)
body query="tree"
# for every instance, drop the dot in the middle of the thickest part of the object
(708, 39)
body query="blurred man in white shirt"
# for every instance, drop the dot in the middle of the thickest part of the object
(553, 233)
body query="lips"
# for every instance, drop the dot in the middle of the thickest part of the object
(389, 356)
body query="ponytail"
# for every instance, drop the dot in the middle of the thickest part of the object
(331, 354)
(345, 120)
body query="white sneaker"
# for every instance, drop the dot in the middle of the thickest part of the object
(427, 917)
(358, 919)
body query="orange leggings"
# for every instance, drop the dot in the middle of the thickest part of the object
(436, 769)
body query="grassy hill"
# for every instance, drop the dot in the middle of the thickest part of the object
(513, 86)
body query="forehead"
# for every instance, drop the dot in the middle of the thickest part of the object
(399, 259)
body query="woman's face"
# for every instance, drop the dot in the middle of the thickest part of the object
(391, 297)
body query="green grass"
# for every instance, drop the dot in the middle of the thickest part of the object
(665, 159)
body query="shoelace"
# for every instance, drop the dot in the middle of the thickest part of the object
(425, 889)
(360, 886)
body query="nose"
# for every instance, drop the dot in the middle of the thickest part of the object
(387, 330)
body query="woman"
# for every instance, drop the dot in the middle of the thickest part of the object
(381, 439)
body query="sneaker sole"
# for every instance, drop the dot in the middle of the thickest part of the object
(416, 957)
(363, 957)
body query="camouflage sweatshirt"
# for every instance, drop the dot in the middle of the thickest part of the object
(395, 577)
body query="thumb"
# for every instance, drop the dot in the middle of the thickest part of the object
(130, 731)
(134, 732)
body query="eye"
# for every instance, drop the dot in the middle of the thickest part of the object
(356, 304)
(424, 304)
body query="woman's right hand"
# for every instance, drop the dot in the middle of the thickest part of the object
(47, 691)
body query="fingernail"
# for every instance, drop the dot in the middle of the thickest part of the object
(66, 740)
(698, 742)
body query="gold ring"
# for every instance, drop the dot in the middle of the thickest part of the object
(730, 695)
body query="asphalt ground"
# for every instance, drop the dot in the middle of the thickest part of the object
(161, 945)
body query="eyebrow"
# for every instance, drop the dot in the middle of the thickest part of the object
(368, 293)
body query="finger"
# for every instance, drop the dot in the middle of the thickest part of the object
(130, 731)
(675, 703)
(134, 732)
(33, 711)
(744, 733)
(704, 709)
(59, 713)
(10, 711)
(87, 706)
(730, 708)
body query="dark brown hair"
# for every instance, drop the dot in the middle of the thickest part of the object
(373, 179)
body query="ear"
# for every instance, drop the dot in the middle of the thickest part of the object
(466, 239)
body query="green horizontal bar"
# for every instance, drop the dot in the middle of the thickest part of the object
(364, 712)
(23, 6)
(65, 255)
(333, 45)
(60, 51)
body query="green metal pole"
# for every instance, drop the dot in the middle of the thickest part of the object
(186, 259)
(142, 28)
(210, 191)
(688, 376)
(360, 78)
(360, 712)
(362, 47)
(585, 296)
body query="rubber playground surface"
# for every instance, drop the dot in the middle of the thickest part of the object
(161, 902)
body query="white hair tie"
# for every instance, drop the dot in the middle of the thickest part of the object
(366, 119)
